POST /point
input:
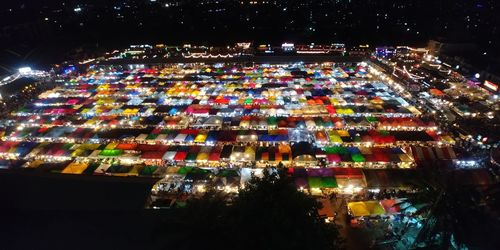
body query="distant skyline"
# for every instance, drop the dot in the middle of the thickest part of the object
(36, 30)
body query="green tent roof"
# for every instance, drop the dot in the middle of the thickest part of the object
(185, 170)
(151, 136)
(199, 171)
(148, 170)
(191, 156)
(272, 120)
(111, 152)
(118, 169)
(314, 182)
(227, 173)
(319, 122)
(331, 150)
(336, 150)
(384, 132)
(358, 158)
(91, 168)
(328, 182)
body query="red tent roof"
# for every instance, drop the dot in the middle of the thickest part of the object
(180, 156)
(153, 155)
(347, 172)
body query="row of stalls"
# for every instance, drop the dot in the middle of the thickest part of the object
(283, 109)
(294, 153)
(353, 180)
(94, 167)
(233, 92)
(321, 181)
(240, 122)
(317, 181)
(282, 73)
(211, 137)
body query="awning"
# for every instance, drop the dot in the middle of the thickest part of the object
(365, 208)
(303, 151)
(445, 153)
(75, 168)
(390, 206)
(322, 182)
(351, 173)
(169, 155)
(152, 155)
(180, 156)
(392, 178)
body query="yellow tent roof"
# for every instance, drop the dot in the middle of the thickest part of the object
(202, 157)
(111, 145)
(35, 163)
(284, 148)
(365, 208)
(343, 132)
(200, 138)
(172, 170)
(75, 168)
(447, 138)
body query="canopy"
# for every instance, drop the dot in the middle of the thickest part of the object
(390, 206)
(392, 178)
(322, 182)
(365, 208)
(303, 151)
(169, 155)
(75, 168)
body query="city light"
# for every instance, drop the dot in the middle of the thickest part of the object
(25, 70)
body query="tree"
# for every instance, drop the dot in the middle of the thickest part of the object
(452, 213)
(269, 213)
(277, 216)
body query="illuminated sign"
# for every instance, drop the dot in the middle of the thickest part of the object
(24, 70)
(244, 45)
(491, 86)
(287, 47)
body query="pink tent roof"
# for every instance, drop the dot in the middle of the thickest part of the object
(333, 158)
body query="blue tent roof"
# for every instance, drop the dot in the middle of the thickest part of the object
(212, 136)
(173, 111)
(353, 150)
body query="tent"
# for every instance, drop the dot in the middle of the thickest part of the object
(148, 170)
(392, 178)
(153, 155)
(445, 153)
(423, 153)
(303, 151)
(180, 156)
(322, 182)
(214, 155)
(169, 155)
(365, 208)
(390, 206)
(111, 152)
(75, 168)
(314, 182)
